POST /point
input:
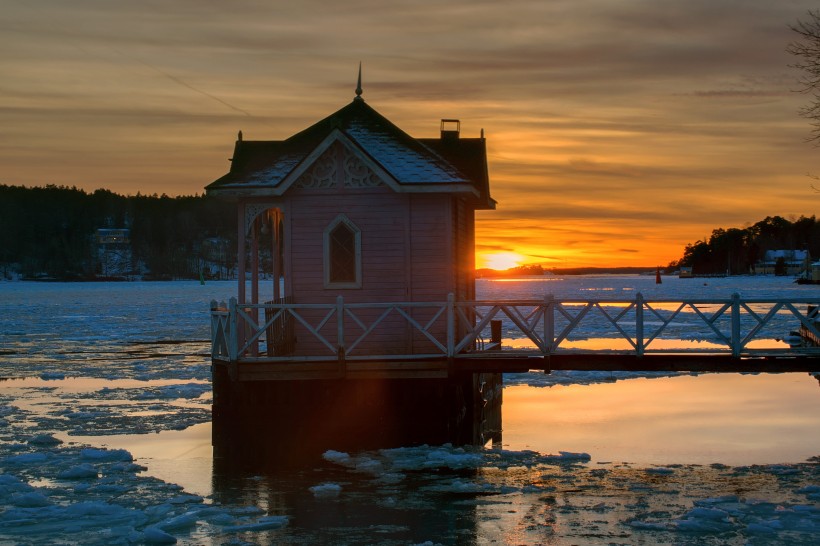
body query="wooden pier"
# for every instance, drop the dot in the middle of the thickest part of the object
(360, 226)
(291, 341)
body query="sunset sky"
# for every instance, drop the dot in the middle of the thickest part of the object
(618, 131)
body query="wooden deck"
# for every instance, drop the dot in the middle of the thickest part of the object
(740, 336)
(263, 369)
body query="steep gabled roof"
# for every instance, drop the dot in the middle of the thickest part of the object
(270, 167)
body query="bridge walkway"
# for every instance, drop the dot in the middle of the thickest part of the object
(286, 340)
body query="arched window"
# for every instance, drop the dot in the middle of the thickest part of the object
(343, 254)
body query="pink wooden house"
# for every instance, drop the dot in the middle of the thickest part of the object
(355, 207)
(369, 230)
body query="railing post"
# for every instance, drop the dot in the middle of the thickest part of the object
(451, 325)
(233, 334)
(549, 322)
(735, 325)
(639, 324)
(214, 306)
(340, 326)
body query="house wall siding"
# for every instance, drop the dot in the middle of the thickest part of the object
(414, 247)
(383, 252)
(432, 267)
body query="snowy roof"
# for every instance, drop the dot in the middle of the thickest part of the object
(451, 165)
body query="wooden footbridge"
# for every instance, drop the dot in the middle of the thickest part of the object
(287, 340)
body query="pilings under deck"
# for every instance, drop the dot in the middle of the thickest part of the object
(264, 423)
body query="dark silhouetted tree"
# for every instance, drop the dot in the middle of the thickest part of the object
(738, 250)
(807, 50)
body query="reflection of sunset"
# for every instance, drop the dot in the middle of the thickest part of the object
(652, 420)
(658, 344)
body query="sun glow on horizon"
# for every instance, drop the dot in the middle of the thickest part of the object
(500, 260)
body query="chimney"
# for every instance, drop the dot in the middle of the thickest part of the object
(450, 129)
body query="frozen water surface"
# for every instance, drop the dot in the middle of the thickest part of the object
(105, 439)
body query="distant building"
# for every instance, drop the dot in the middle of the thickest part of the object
(784, 262)
(814, 273)
(113, 252)
(113, 236)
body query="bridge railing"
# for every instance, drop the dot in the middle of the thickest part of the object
(222, 333)
(453, 329)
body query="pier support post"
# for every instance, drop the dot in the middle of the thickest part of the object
(549, 323)
(451, 325)
(240, 250)
(736, 325)
(233, 332)
(495, 334)
(264, 424)
(639, 347)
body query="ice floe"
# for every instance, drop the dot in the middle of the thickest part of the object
(114, 505)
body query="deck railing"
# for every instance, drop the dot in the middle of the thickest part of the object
(453, 329)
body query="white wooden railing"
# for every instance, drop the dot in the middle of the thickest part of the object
(451, 329)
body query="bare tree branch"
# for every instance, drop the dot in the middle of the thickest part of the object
(807, 50)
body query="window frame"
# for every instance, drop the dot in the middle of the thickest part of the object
(326, 243)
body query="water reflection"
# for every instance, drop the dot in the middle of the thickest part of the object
(695, 424)
(734, 419)
(516, 496)
(362, 510)
(657, 344)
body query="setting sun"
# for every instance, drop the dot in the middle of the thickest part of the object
(501, 260)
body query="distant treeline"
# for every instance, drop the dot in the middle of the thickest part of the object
(536, 270)
(520, 271)
(737, 250)
(49, 232)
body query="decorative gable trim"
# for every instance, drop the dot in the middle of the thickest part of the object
(338, 165)
(352, 148)
(322, 174)
(252, 210)
(357, 174)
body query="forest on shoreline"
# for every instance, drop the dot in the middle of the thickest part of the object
(51, 233)
(736, 251)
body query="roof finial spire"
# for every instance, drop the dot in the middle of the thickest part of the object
(359, 84)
